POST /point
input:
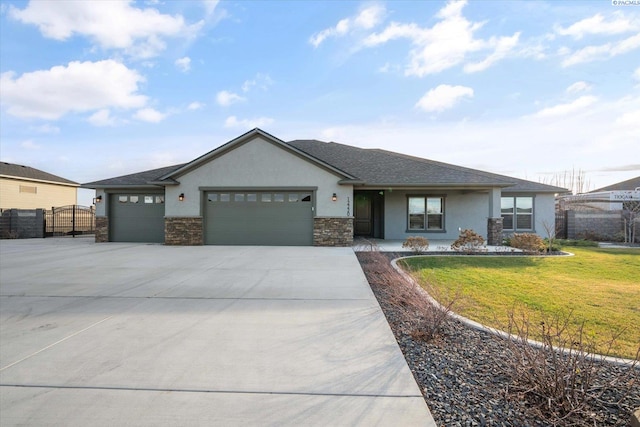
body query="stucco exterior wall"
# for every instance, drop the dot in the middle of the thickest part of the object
(35, 194)
(259, 164)
(469, 210)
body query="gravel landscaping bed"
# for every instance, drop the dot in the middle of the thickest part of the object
(465, 380)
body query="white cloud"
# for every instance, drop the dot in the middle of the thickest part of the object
(366, 19)
(102, 118)
(77, 87)
(598, 25)
(30, 145)
(631, 118)
(443, 97)
(602, 52)
(149, 115)
(578, 87)
(210, 5)
(636, 74)
(446, 44)
(226, 98)
(46, 128)
(233, 122)
(109, 24)
(262, 81)
(569, 108)
(183, 64)
(502, 47)
(195, 106)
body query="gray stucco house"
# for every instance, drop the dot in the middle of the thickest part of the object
(258, 189)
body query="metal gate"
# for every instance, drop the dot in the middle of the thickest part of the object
(561, 224)
(70, 220)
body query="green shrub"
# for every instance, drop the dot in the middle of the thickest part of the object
(417, 244)
(528, 242)
(577, 243)
(468, 241)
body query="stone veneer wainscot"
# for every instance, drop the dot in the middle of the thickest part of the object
(332, 231)
(102, 229)
(494, 231)
(183, 231)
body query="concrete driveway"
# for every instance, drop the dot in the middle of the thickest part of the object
(134, 334)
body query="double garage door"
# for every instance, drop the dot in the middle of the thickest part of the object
(259, 218)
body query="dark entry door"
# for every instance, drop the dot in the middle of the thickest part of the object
(363, 222)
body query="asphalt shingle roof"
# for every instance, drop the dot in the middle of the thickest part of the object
(372, 167)
(134, 179)
(630, 184)
(381, 167)
(27, 172)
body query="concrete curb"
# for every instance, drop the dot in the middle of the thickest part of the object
(478, 326)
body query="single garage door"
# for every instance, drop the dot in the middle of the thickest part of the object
(136, 218)
(279, 218)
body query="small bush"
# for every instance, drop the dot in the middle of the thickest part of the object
(528, 242)
(417, 244)
(418, 315)
(468, 241)
(561, 377)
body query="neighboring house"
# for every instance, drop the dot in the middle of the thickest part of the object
(258, 189)
(608, 213)
(24, 187)
(610, 198)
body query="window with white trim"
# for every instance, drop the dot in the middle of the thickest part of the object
(425, 213)
(517, 213)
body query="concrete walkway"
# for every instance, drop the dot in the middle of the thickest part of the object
(134, 334)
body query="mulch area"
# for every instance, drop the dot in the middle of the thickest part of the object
(464, 378)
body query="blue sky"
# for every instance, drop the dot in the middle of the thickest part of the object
(96, 89)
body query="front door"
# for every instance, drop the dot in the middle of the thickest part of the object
(363, 223)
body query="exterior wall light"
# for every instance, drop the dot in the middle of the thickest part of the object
(98, 199)
(334, 197)
(181, 197)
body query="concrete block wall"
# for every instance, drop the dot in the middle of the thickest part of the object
(22, 224)
(607, 225)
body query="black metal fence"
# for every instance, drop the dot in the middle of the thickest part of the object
(71, 220)
(561, 224)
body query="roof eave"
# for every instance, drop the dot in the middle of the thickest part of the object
(45, 181)
(119, 186)
(245, 138)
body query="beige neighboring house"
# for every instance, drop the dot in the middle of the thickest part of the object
(24, 187)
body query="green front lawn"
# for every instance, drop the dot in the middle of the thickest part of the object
(600, 286)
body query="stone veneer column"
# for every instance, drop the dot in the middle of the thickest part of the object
(102, 229)
(494, 231)
(183, 231)
(332, 231)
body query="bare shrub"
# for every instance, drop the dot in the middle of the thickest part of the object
(468, 241)
(528, 242)
(419, 317)
(417, 244)
(561, 377)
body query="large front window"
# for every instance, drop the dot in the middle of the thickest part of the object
(426, 213)
(517, 213)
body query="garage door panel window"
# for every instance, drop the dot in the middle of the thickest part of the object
(278, 197)
(425, 213)
(517, 213)
(238, 197)
(252, 197)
